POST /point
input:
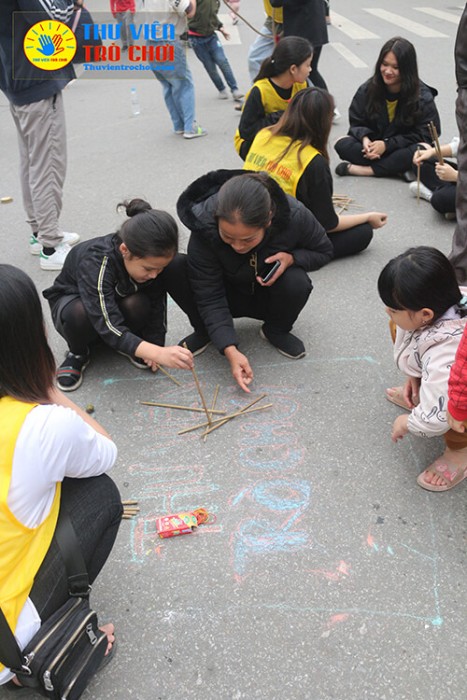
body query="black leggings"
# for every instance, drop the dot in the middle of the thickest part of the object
(315, 76)
(351, 241)
(95, 509)
(444, 193)
(395, 163)
(279, 305)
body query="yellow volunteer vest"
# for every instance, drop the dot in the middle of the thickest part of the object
(274, 12)
(265, 155)
(22, 549)
(272, 102)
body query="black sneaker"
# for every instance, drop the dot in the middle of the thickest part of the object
(135, 361)
(70, 372)
(197, 342)
(286, 343)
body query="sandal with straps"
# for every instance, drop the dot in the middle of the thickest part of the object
(443, 468)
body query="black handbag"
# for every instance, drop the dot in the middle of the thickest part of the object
(69, 647)
(82, 16)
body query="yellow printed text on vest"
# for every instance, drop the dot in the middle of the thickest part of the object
(265, 155)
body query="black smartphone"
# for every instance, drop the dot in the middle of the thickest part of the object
(268, 270)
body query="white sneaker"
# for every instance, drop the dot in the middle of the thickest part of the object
(425, 193)
(56, 260)
(223, 94)
(237, 95)
(336, 116)
(69, 238)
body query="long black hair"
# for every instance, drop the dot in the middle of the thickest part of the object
(408, 99)
(290, 51)
(246, 198)
(27, 365)
(420, 278)
(308, 119)
(148, 232)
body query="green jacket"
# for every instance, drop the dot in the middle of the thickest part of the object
(205, 21)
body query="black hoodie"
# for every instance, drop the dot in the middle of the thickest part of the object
(213, 263)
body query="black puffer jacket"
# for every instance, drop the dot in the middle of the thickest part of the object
(94, 271)
(212, 263)
(395, 134)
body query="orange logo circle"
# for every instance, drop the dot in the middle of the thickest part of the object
(49, 45)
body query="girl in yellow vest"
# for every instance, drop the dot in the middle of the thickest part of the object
(281, 76)
(294, 153)
(51, 454)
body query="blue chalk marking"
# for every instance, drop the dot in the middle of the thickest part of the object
(437, 621)
(240, 496)
(259, 537)
(415, 551)
(390, 550)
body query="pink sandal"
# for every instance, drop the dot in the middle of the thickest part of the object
(451, 474)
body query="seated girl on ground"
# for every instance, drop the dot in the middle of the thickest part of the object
(388, 116)
(113, 289)
(423, 300)
(438, 181)
(294, 153)
(280, 77)
(52, 456)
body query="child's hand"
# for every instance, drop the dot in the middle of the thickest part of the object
(411, 391)
(446, 172)
(399, 428)
(457, 425)
(225, 34)
(420, 155)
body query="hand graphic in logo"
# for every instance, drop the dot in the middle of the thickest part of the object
(57, 42)
(47, 46)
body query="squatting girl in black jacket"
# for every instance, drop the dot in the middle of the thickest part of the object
(240, 223)
(113, 289)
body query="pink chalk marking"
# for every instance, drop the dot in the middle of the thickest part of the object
(337, 619)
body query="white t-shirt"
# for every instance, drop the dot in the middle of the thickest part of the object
(169, 12)
(54, 442)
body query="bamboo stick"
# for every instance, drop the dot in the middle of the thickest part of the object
(200, 392)
(181, 408)
(435, 139)
(213, 405)
(219, 420)
(167, 374)
(418, 177)
(234, 415)
(202, 425)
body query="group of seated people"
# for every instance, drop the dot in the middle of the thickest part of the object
(255, 235)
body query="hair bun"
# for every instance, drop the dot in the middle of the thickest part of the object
(135, 206)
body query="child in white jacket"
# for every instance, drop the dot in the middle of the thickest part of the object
(423, 300)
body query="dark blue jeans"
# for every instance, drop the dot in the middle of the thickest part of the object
(95, 509)
(211, 54)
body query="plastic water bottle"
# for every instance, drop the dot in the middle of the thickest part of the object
(135, 108)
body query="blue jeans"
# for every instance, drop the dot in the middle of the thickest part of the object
(178, 88)
(260, 49)
(211, 54)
